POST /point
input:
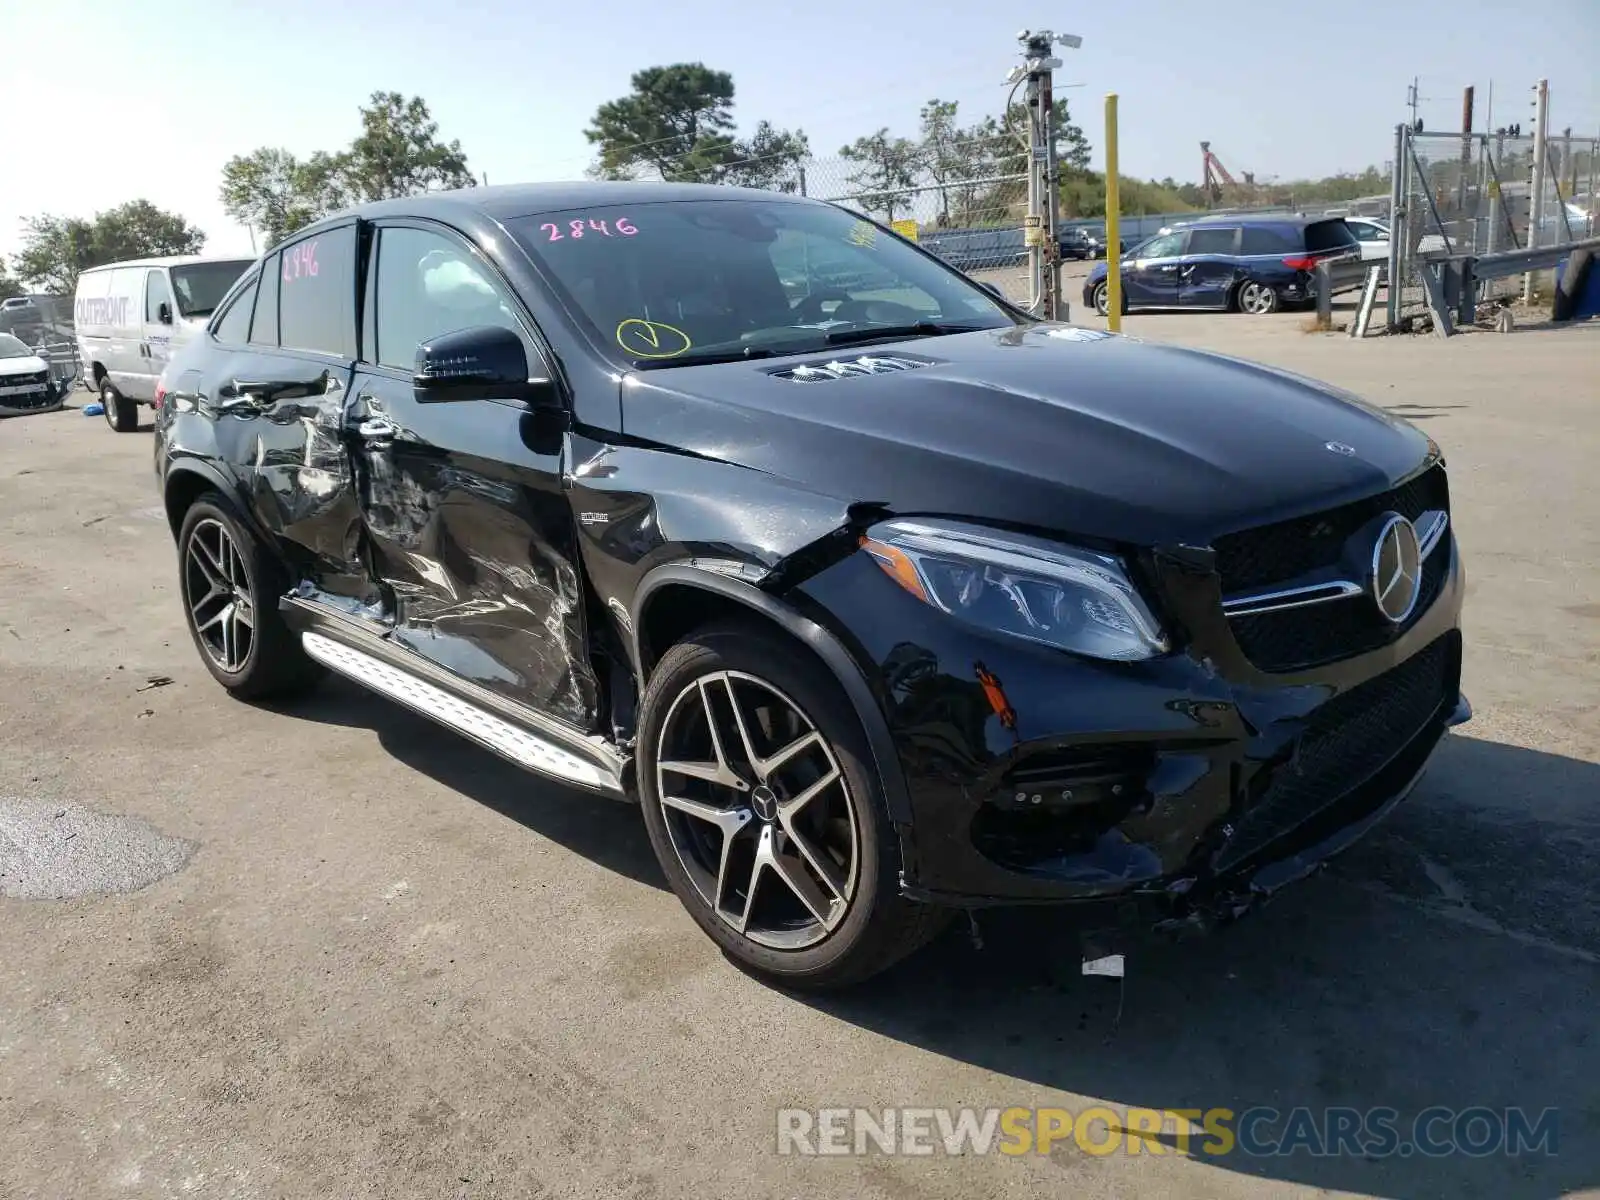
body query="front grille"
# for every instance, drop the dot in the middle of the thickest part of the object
(1297, 639)
(1257, 558)
(1346, 742)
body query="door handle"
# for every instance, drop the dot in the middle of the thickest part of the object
(378, 429)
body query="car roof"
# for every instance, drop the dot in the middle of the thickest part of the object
(507, 201)
(1293, 220)
(170, 260)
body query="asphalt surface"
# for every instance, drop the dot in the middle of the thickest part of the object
(379, 962)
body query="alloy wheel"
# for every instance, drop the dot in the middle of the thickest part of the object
(758, 810)
(218, 591)
(1256, 298)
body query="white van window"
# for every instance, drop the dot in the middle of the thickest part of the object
(156, 293)
(201, 286)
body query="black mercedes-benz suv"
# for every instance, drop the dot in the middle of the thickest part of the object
(880, 597)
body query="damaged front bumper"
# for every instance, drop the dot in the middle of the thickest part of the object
(1176, 793)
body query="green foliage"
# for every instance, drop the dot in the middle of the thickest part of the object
(887, 166)
(56, 249)
(397, 153)
(9, 287)
(677, 124)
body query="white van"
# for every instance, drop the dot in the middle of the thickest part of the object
(131, 317)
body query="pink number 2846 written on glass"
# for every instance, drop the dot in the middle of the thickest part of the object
(580, 226)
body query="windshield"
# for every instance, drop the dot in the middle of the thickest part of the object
(672, 283)
(11, 347)
(201, 286)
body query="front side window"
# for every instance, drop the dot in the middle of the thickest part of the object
(201, 286)
(156, 293)
(672, 283)
(1168, 245)
(427, 285)
(316, 280)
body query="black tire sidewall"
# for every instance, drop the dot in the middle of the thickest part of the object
(120, 413)
(805, 681)
(210, 508)
(1102, 299)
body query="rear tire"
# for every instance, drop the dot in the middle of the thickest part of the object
(230, 588)
(1257, 299)
(794, 870)
(122, 414)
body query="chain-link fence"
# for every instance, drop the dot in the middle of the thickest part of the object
(1474, 194)
(44, 323)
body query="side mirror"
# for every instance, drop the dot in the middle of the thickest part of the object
(164, 313)
(486, 362)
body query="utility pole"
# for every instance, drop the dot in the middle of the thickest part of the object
(1040, 232)
(1466, 147)
(1541, 113)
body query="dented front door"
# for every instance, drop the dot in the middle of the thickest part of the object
(468, 527)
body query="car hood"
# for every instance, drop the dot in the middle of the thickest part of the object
(1047, 426)
(29, 365)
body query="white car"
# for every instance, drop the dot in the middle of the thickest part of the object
(25, 383)
(131, 317)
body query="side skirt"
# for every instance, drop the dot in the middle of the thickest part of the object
(517, 734)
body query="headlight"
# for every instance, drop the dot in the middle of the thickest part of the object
(1073, 599)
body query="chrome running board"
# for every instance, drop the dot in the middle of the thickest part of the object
(510, 741)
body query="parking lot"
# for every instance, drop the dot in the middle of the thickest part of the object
(372, 960)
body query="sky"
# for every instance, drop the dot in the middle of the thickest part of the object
(119, 101)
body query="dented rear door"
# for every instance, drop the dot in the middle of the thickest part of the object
(470, 533)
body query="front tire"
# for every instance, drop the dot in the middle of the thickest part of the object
(230, 589)
(766, 814)
(1102, 299)
(121, 413)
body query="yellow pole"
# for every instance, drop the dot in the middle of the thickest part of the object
(1113, 230)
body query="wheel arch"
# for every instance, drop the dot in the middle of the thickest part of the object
(674, 599)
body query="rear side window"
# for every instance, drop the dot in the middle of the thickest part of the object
(1213, 241)
(1268, 239)
(156, 293)
(316, 278)
(1329, 235)
(264, 329)
(234, 327)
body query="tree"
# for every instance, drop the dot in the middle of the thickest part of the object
(9, 287)
(397, 153)
(677, 124)
(56, 249)
(271, 190)
(770, 159)
(888, 169)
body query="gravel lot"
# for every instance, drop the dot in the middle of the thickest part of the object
(378, 962)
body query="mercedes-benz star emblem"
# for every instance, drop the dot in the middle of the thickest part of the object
(1339, 448)
(1396, 569)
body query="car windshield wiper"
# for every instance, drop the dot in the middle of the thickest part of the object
(709, 356)
(840, 337)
